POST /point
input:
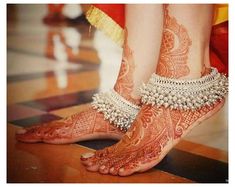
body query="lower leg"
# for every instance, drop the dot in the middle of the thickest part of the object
(140, 52)
(90, 124)
(185, 45)
(157, 129)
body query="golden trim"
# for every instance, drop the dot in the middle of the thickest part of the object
(220, 13)
(102, 21)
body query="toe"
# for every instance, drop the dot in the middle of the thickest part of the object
(91, 157)
(92, 166)
(126, 171)
(21, 131)
(104, 169)
(115, 167)
(120, 162)
(30, 135)
(129, 168)
(106, 165)
(100, 164)
(87, 158)
(113, 171)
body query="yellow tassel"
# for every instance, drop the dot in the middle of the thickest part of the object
(105, 23)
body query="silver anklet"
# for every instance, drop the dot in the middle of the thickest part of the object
(120, 112)
(185, 94)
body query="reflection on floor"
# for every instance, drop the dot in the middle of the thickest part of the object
(52, 72)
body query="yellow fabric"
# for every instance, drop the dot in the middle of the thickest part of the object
(221, 13)
(102, 21)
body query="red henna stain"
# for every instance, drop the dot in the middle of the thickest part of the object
(88, 122)
(152, 143)
(125, 82)
(174, 48)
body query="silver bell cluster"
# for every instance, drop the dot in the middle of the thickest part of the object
(185, 94)
(120, 112)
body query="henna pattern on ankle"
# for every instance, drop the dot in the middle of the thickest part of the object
(125, 83)
(205, 70)
(174, 48)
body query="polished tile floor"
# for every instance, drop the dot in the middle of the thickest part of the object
(52, 72)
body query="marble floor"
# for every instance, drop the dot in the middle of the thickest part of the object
(52, 72)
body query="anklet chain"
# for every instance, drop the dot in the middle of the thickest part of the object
(120, 112)
(185, 94)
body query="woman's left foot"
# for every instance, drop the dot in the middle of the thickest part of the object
(171, 107)
(152, 135)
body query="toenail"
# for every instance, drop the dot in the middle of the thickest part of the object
(89, 164)
(122, 169)
(112, 169)
(38, 133)
(102, 167)
(87, 155)
(21, 131)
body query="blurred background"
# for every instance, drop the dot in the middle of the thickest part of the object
(55, 62)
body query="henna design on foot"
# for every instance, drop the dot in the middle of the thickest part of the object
(149, 139)
(88, 124)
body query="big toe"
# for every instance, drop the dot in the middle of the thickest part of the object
(87, 155)
(28, 138)
(87, 158)
(31, 135)
(21, 131)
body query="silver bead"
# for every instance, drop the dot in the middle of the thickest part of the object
(186, 94)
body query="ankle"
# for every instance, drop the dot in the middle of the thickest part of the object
(127, 93)
(196, 65)
(198, 61)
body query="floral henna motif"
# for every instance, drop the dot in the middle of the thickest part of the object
(152, 151)
(89, 122)
(174, 48)
(125, 83)
(182, 120)
(72, 128)
(144, 144)
(147, 115)
(149, 146)
(146, 130)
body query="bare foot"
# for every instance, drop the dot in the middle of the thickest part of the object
(153, 134)
(86, 125)
(89, 124)
(155, 130)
